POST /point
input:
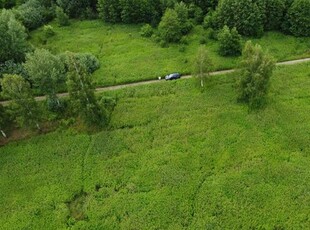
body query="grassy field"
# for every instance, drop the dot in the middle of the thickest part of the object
(174, 157)
(127, 57)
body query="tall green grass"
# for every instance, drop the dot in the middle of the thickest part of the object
(125, 56)
(174, 157)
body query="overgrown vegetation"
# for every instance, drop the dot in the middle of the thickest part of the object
(173, 157)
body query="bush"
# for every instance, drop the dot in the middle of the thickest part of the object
(230, 42)
(146, 31)
(298, 18)
(212, 34)
(210, 20)
(31, 14)
(10, 67)
(89, 61)
(274, 14)
(48, 31)
(61, 17)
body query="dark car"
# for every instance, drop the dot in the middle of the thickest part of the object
(173, 76)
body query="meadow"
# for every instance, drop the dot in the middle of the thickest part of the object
(125, 56)
(173, 157)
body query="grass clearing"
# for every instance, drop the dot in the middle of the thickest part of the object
(125, 56)
(173, 158)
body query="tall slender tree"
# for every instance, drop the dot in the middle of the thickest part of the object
(82, 92)
(3, 121)
(256, 69)
(23, 103)
(202, 65)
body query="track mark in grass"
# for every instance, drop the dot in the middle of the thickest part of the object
(84, 158)
(77, 207)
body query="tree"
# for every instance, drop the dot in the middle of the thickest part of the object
(3, 120)
(12, 38)
(274, 14)
(61, 17)
(230, 42)
(170, 28)
(82, 93)
(46, 71)
(256, 70)
(202, 65)
(109, 10)
(18, 90)
(76, 8)
(298, 18)
(182, 11)
(31, 14)
(245, 15)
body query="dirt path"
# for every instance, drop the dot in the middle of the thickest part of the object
(116, 87)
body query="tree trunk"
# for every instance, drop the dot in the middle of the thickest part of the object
(38, 126)
(201, 82)
(3, 133)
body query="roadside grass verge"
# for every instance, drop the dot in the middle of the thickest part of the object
(174, 157)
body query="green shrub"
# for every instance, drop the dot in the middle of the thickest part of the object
(88, 60)
(48, 31)
(31, 14)
(274, 14)
(230, 42)
(146, 31)
(298, 18)
(61, 17)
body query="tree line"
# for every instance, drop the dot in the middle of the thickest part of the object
(250, 17)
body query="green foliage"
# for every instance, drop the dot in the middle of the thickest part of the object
(7, 4)
(298, 18)
(12, 38)
(88, 60)
(77, 8)
(274, 11)
(82, 93)
(245, 15)
(119, 53)
(202, 65)
(229, 41)
(31, 14)
(61, 17)
(109, 10)
(256, 70)
(146, 31)
(10, 67)
(4, 121)
(130, 11)
(169, 152)
(48, 31)
(46, 72)
(170, 27)
(196, 13)
(23, 104)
